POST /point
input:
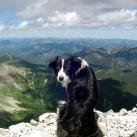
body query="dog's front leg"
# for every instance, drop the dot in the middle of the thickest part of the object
(61, 109)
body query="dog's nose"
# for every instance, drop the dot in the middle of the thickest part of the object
(61, 78)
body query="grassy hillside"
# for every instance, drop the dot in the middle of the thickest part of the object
(25, 109)
(23, 92)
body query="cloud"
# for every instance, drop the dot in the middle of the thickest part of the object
(86, 8)
(2, 27)
(122, 18)
(42, 14)
(119, 16)
(40, 20)
(33, 10)
(126, 19)
(67, 18)
(24, 25)
(35, 24)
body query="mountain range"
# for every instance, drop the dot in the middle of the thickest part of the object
(28, 88)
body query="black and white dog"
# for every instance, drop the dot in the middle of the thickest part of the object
(76, 117)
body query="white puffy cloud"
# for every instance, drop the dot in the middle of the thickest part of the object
(42, 14)
(45, 25)
(67, 18)
(33, 10)
(39, 15)
(40, 20)
(126, 19)
(87, 13)
(119, 16)
(34, 24)
(2, 27)
(24, 25)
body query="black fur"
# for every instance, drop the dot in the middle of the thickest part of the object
(76, 117)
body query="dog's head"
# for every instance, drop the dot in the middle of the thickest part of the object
(67, 68)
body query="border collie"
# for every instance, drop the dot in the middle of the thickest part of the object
(76, 117)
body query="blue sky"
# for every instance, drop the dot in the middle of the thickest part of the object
(68, 19)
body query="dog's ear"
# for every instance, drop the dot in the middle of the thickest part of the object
(76, 62)
(55, 63)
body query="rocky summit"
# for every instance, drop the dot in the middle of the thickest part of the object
(112, 124)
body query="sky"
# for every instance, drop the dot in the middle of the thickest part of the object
(68, 18)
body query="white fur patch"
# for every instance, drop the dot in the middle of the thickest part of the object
(61, 73)
(83, 64)
(61, 102)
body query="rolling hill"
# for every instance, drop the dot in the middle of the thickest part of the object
(23, 91)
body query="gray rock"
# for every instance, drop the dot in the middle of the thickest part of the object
(121, 124)
(134, 109)
(123, 112)
(44, 117)
(33, 122)
(110, 112)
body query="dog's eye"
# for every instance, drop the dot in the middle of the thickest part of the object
(59, 67)
(65, 67)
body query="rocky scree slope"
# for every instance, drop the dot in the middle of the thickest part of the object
(120, 124)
